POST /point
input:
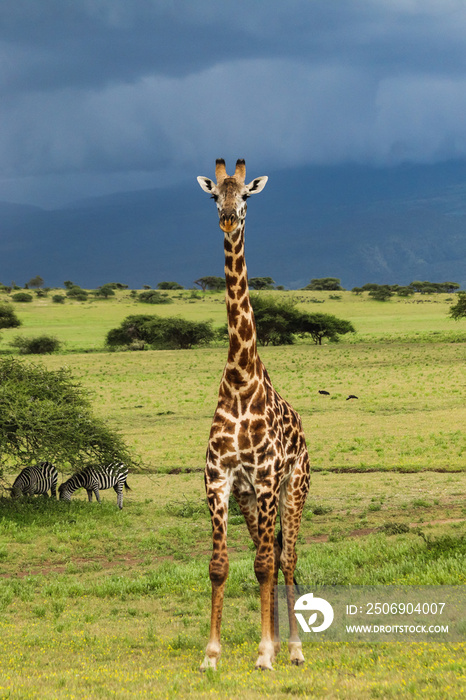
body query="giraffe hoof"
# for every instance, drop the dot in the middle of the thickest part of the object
(264, 668)
(297, 662)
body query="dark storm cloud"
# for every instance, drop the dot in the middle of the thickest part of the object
(105, 94)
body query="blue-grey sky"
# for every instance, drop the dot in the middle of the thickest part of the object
(99, 96)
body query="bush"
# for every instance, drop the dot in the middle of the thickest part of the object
(22, 297)
(47, 415)
(174, 333)
(76, 293)
(383, 293)
(58, 299)
(40, 345)
(169, 285)
(8, 318)
(105, 291)
(151, 296)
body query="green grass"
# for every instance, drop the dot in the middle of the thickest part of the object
(95, 602)
(98, 603)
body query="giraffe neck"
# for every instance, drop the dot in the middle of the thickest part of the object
(242, 364)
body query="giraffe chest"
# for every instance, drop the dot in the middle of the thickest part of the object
(257, 443)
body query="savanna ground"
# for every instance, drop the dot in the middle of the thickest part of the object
(97, 603)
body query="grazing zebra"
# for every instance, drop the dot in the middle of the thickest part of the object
(36, 480)
(95, 480)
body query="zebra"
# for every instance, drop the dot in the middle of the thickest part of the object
(94, 479)
(36, 480)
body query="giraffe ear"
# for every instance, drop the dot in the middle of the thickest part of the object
(257, 185)
(206, 183)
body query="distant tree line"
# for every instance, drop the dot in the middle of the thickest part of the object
(215, 283)
(382, 292)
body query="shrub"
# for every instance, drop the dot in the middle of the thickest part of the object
(175, 333)
(105, 291)
(151, 296)
(8, 318)
(169, 285)
(58, 299)
(382, 293)
(77, 293)
(22, 297)
(40, 345)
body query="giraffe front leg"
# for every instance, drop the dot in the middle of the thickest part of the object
(218, 492)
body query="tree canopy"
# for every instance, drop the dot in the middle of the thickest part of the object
(47, 415)
(325, 283)
(261, 283)
(169, 285)
(210, 282)
(458, 310)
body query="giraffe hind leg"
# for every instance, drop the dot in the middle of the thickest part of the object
(292, 499)
(264, 568)
(247, 503)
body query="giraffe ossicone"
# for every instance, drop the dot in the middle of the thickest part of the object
(257, 449)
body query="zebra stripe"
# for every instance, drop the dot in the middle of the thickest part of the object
(95, 479)
(36, 480)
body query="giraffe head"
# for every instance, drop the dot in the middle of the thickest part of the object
(230, 193)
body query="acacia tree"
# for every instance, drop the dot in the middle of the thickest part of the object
(47, 415)
(320, 326)
(261, 283)
(210, 282)
(36, 281)
(325, 283)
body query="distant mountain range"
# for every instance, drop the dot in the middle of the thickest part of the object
(357, 223)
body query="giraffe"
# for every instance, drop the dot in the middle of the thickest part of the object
(257, 449)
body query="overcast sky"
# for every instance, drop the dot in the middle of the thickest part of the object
(106, 95)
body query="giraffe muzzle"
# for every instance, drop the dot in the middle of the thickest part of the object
(228, 222)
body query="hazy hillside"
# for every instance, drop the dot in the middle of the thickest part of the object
(359, 224)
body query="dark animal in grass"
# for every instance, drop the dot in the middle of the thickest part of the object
(351, 396)
(323, 392)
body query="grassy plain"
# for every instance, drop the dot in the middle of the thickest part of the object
(97, 603)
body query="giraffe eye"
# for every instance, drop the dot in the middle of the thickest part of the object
(214, 197)
(245, 197)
